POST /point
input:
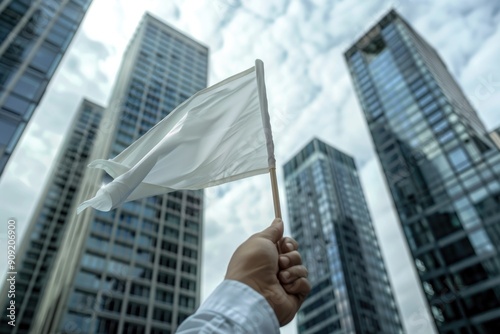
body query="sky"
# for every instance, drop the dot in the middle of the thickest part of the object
(310, 95)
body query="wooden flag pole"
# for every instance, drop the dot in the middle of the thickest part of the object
(276, 200)
(276, 195)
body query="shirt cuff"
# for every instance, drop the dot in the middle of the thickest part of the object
(243, 305)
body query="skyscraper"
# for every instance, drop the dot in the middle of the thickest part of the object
(330, 219)
(135, 269)
(34, 35)
(442, 169)
(49, 222)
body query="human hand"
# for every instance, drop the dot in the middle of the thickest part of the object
(281, 279)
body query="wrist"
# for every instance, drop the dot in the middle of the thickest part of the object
(251, 306)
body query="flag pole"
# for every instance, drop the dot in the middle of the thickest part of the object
(276, 195)
(276, 200)
(261, 86)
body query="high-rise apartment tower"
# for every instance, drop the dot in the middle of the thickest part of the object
(135, 269)
(43, 237)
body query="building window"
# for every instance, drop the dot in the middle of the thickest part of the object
(190, 253)
(188, 268)
(169, 246)
(29, 86)
(138, 310)
(457, 251)
(125, 234)
(118, 268)
(45, 59)
(162, 315)
(82, 300)
(122, 250)
(110, 304)
(190, 239)
(186, 301)
(192, 226)
(88, 280)
(168, 262)
(147, 241)
(7, 129)
(181, 317)
(18, 104)
(145, 256)
(102, 227)
(76, 320)
(93, 262)
(139, 290)
(164, 296)
(149, 226)
(188, 284)
(104, 325)
(141, 272)
(166, 279)
(96, 243)
(458, 158)
(171, 232)
(114, 284)
(131, 328)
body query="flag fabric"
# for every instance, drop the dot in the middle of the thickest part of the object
(220, 134)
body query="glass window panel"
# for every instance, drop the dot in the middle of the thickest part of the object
(114, 284)
(45, 59)
(82, 300)
(7, 129)
(93, 262)
(110, 304)
(17, 104)
(139, 290)
(86, 279)
(162, 315)
(458, 158)
(481, 242)
(98, 243)
(122, 250)
(118, 268)
(61, 32)
(145, 240)
(19, 49)
(479, 195)
(7, 70)
(76, 320)
(457, 251)
(141, 272)
(29, 86)
(73, 12)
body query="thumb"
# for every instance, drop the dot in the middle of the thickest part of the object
(274, 232)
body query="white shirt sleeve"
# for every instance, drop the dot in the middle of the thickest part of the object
(233, 308)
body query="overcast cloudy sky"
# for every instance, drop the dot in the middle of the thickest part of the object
(309, 91)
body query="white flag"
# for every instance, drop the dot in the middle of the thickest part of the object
(220, 134)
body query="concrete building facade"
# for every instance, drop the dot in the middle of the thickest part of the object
(135, 269)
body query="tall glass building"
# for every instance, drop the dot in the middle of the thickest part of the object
(34, 35)
(135, 269)
(43, 237)
(330, 219)
(442, 169)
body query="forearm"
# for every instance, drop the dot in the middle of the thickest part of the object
(232, 308)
